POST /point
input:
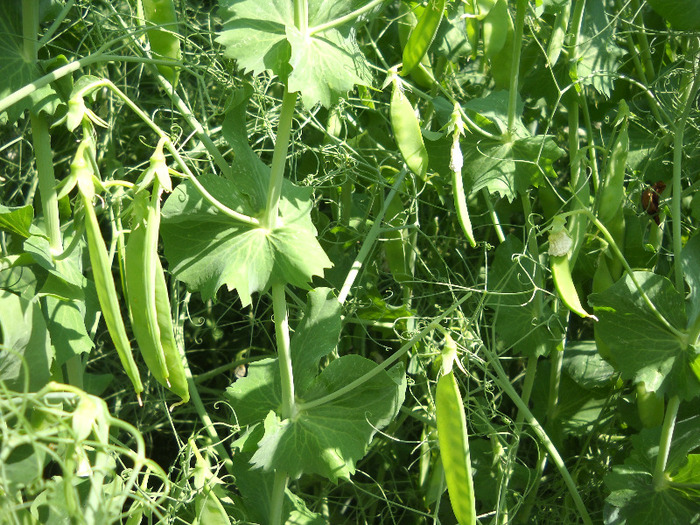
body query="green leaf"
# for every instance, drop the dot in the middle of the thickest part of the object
(321, 66)
(316, 336)
(17, 70)
(511, 286)
(586, 367)
(641, 346)
(682, 14)
(330, 438)
(256, 394)
(16, 219)
(507, 168)
(207, 249)
(631, 486)
(67, 329)
(691, 270)
(598, 55)
(26, 353)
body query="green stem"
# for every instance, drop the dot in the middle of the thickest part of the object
(284, 356)
(279, 160)
(277, 498)
(301, 15)
(665, 441)
(209, 428)
(345, 19)
(521, 9)
(385, 364)
(688, 101)
(369, 241)
(494, 216)
(504, 383)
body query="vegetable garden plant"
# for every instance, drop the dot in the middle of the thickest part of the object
(349, 261)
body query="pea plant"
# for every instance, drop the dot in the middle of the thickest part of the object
(349, 261)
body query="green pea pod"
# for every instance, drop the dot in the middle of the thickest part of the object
(496, 26)
(422, 35)
(141, 256)
(458, 193)
(454, 448)
(408, 134)
(395, 246)
(107, 295)
(173, 359)
(650, 407)
(561, 273)
(612, 192)
(558, 36)
(163, 38)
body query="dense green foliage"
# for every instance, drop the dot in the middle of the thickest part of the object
(257, 255)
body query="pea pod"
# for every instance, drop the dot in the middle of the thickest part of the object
(496, 27)
(102, 273)
(561, 273)
(147, 294)
(422, 35)
(650, 407)
(612, 191)
(458, 190)
(397, 241)
(556, 40)
(409, 12)
(454, 448)
(163, 38)
(407, 133)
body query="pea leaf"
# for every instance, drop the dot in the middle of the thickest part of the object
(329, 439)
(641, 346)
(682, 14)
(598, 55)
(322, 65)
(511, 286)
(632, 491)
(16, 71)
(207, 249)
(16, 219)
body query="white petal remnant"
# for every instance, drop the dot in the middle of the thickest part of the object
(560, 243)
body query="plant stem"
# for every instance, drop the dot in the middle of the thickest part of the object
(346, 18)
(279, 160)
(665, 441)
(279, 307)
(369, 241)
(688, 101)
(386, 363)
(504, 383)
(277, 498)
(521, 9)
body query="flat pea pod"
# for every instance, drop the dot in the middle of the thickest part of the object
(454, 448)
(460, 198)
(409, 12)
(561, 273)
(407, 132)
(558, 36)
(496, 27)
(422, 35)
(107, 295)
(163, 38)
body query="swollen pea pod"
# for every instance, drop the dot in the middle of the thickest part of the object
(407, 132)
(164, 40)
(454, 446)
(650, 407)
(147, 294)
(102, 273)
(422, 35)
(559, 246)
